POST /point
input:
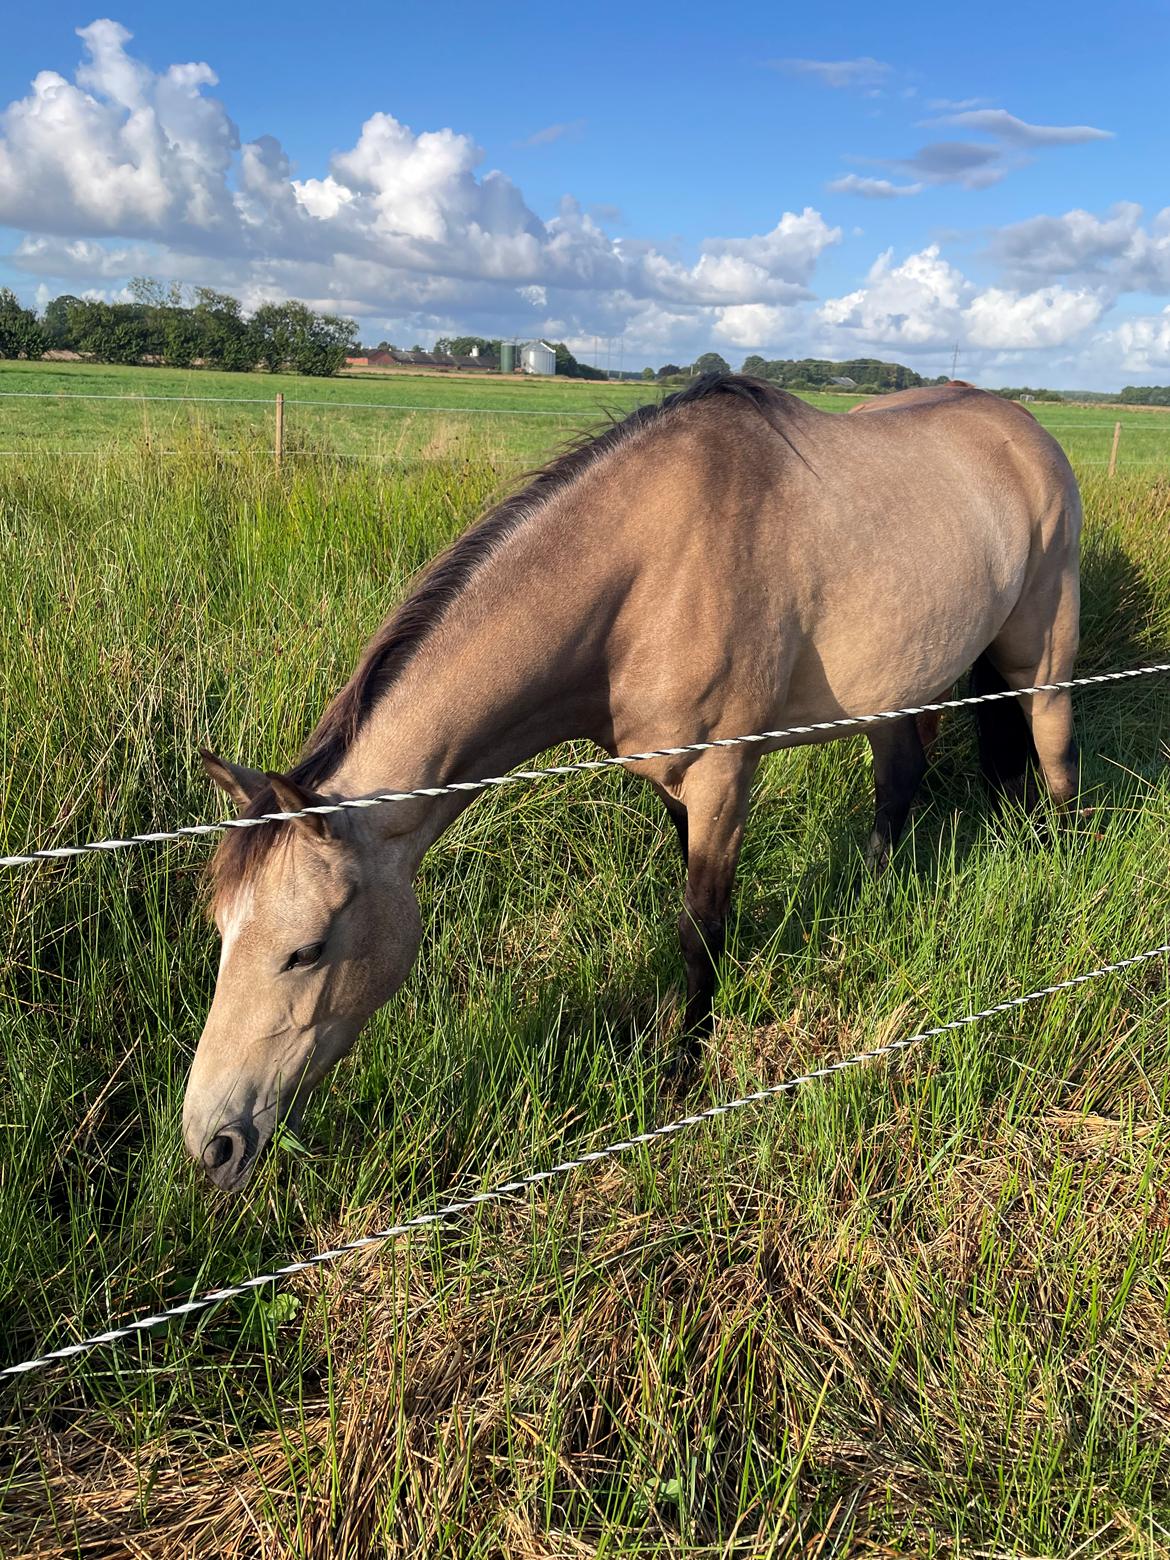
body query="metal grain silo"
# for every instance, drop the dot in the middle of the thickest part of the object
(537, 357)
(507, 357)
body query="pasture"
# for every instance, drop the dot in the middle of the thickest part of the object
(923, 1308)
(391, 418)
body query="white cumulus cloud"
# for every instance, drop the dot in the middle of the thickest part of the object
(917, 303)
(1144, 343)
(1117, 250)
(125, 160)
(1048, 317)
(925, 302)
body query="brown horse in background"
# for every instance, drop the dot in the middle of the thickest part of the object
(731, 560)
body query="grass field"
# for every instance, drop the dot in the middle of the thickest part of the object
(376, 418)
(397, 417)
(923, 1309)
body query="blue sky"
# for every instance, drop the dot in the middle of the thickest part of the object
(858, 180)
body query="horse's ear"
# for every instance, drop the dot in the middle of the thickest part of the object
(291, 796)
(242, 785)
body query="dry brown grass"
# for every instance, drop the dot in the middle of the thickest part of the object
(494, 1414)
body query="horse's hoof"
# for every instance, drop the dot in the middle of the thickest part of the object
(682, 1067)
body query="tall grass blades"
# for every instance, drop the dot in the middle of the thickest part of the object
(922, 1309)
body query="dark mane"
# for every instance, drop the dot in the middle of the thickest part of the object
(441, 585)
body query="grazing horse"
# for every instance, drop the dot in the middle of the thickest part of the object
(730, 560)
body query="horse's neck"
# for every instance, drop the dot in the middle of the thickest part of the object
(518, 664)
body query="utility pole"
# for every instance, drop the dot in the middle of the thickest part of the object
(955, 362)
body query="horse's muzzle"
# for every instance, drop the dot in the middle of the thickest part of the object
(229, 1157)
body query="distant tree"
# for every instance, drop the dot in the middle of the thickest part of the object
(417, 348)
(180, 337)
(153, 294)
(647, 373)
(55, 322)
(569, 368)
(756, 366)
(712, 363)
(462, 346)
(110, 332)
(224, 339)
(1146, 395)
(21, 333)
(669, 371)
(292, 336)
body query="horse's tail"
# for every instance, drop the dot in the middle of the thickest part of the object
(1007, 754)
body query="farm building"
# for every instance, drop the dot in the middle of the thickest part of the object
(537, 357)
(397, 357)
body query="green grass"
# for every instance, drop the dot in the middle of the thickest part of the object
(395, 418)
(386, 418)
(922, 1309)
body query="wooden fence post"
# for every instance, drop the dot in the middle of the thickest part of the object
(1113, 451)
(278, 448)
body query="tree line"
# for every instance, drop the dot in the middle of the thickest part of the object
(163, 325)
(1146, 395)
(871, 376)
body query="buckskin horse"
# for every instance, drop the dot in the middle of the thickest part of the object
(730, 560)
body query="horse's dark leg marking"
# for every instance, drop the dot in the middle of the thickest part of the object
(716, 800)
(899, 763)
(677, 814)
(1006, 753)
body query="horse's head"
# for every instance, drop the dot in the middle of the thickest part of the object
(317, 933)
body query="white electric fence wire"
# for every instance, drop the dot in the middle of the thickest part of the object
(506, 1190)
(582, 766)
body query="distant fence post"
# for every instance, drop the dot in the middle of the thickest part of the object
(1113, 451)
(278, 447)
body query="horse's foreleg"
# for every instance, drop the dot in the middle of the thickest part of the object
(899, 763)
(715, 794)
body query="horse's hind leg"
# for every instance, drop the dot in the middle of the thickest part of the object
(714, 792)
(1006, 754)
(899, 763)
(1039, 645)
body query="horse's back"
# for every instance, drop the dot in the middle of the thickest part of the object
(863, 561)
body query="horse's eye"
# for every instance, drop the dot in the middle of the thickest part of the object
(303, 958)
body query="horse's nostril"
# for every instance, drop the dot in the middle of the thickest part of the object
(218, 1152)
